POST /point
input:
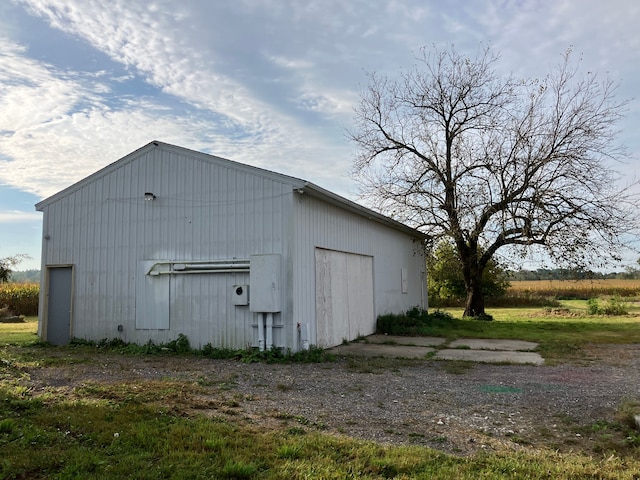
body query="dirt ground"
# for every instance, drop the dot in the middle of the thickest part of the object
(456, 407)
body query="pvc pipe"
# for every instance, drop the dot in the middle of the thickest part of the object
(213, 266)
(304, 339)
(269, 331)
(261, 332)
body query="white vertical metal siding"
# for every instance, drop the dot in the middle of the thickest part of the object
(210, 209)
(204, 210)
(320, 224)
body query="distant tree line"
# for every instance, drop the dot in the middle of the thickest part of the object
(447, 287)
(26, 276)
(630, 273)
(8, 264)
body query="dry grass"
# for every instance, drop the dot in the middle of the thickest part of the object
(575, 288)
(20, 298)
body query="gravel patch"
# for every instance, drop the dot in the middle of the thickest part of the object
(457, 407)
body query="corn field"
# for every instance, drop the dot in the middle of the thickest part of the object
(547, 293)
(20, 298)
(580, 289)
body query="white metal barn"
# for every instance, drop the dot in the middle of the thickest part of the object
(169, 241)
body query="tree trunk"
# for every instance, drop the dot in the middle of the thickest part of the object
(474, 304)
(472, 273)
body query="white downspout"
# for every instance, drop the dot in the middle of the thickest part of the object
(269, 344)
(304, 338)
(261, 332)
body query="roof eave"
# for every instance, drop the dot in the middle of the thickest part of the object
(318, 192)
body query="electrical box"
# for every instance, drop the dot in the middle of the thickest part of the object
(240, 294)
(265, 272)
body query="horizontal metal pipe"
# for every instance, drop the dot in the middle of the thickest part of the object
(221, 270)
(214, 266)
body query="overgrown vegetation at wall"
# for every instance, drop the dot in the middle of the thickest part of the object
(182, 346)
(20, 298)
(413, 322)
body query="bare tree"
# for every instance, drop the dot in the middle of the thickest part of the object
(494, 162)
(7, 264)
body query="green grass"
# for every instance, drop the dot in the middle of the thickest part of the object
(19, 333)
(122, 437)
(561, 332)
(159, 429)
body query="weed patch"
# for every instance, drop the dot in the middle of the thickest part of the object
(182, 346)
(414, 322)
(614, 306)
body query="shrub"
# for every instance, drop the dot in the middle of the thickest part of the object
(614, 306)
(180, 344)
(20, 298)
(411, 322)
(593, 306)
(446, 282)
(210, 351)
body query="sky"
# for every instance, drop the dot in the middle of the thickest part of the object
(270, 83)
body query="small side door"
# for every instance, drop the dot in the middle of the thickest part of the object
(59, 302)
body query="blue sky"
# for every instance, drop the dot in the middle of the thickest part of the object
(271, 83)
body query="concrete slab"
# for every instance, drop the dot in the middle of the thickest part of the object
(489, 356)
(398, 340)
(493, 344)
(468, 349)
(381, 350)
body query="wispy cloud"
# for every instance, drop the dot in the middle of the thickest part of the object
(266, 82)
(270, 83)
(153, 39)
(161, 44)
(17, 216)
(537, 31)
(55, 129)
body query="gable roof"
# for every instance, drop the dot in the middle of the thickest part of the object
(299, 185)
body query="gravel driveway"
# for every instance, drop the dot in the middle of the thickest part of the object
(451, 406)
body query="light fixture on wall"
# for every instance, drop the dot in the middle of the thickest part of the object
(148, 196)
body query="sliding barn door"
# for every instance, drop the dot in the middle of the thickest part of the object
(344, 297)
